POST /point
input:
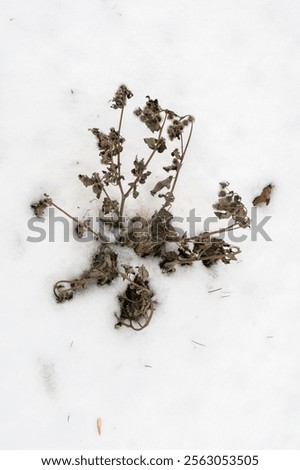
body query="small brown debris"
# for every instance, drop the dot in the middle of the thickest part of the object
(40, 206)
(99, 425)
(199, 344)
(264, 197)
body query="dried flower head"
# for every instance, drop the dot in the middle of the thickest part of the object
(150, 114)
(110, 144)
(230, 205)
(95, 181)
(121, 96)
(40, 206)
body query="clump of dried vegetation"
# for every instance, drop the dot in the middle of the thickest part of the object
(147, 237)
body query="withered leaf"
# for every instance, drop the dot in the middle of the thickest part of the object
(166, 183)
(151, 142)
(86, 180)
(159, 145)
(264, 197)
(224, 184)
(128, 269)
(138, 112)
(169, 262)
(143, 273)
(176, 153)
(174, 166)
(109, 206)
(169, 198)
(82, 227)
(223, 215)
(94, 181)
(109, 144)
(40, 206)
(139, 171)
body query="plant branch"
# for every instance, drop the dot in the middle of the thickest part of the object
(158, 139)
(106, 193)
(128, 192)
(214, 232)
(74, 219)
(183, 153)
(119, 159)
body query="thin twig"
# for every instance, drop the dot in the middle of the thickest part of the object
(200, 344)
(119, 159)
(106, 193)
(195, 239)
(183, 153)
(74, 218)
(134, 183)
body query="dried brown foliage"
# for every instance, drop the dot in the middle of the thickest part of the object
(40, 206)
(103, 270)
(264, 197)
(154, 236)
(136, 304)
(230, 205)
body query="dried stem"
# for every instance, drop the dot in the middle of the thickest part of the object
(183, 153)
(215, 232)
(96, 235)
(225, 229)
(125, 276)
(106, 193)
(128, 192)
(207, 258)
(119, 159)
(158, 139)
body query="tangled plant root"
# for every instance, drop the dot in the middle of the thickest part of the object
(136, 304)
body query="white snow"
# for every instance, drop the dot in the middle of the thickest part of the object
(234, 65)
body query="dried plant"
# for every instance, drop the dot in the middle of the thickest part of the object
(40, 206)
(103, 270)
(152, 236)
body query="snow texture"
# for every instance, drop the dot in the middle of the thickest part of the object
(234, 65)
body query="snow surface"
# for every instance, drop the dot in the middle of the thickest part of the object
(234, 65)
